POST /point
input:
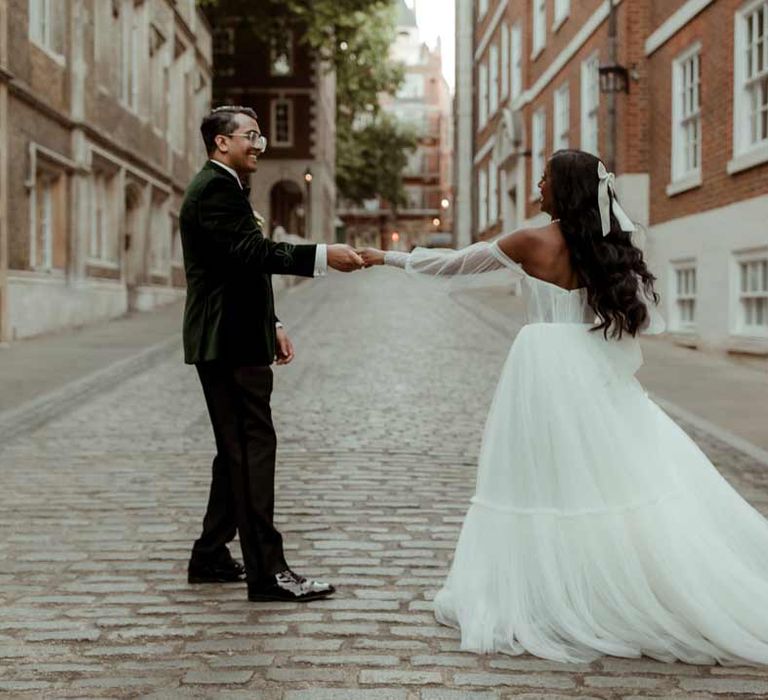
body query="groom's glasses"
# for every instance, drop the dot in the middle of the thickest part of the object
(257, 140)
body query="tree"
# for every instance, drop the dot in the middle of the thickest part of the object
(353, 37)
(370, 160)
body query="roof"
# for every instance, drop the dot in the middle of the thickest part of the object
(405, 15)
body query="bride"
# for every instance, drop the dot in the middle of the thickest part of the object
(597, 525)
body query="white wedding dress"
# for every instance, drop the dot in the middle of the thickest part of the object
(597, 525)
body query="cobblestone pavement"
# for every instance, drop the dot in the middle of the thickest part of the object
(379, 421)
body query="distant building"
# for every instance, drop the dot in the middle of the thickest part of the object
(688, 142)
(294, 95)
(100, 101)
(424, 103)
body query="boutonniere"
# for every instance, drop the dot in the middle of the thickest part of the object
(259, 219)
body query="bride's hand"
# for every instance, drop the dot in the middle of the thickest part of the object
(371, 256)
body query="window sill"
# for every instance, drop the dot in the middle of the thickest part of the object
(686, 338)
(688, 182)
(58, 58)
(748, 345)
(749, 159)
(559, 22)
(105, 264)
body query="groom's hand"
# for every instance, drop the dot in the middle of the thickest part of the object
(285, 352)
(343, 258)
(371, 256)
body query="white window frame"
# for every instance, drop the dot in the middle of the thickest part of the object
(129, 56)
(516, 61)
(42, 28)
(686, 120)
(482, 95)
(562, 117)
(748, 151)
(482, 9)
(683, 290)
(754, 259)
(290, 52)
(274, 141)
(482, 199)
(539, 33)
(493, 80)
(103, 245)
(538, 148)
(505, 64)
(46, 226)
(493, 193)
(562, 12)
(590, 104)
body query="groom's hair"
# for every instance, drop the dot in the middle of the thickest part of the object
(221, 120)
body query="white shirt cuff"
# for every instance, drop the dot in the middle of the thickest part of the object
(321, 260)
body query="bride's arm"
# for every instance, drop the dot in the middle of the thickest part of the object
(474, 259)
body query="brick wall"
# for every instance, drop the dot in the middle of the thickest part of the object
(718, 188)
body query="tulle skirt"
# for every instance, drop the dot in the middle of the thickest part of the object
(598, 526)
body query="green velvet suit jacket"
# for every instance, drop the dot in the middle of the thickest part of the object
(230, 309)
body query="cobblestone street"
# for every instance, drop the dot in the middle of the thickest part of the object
(379, 421)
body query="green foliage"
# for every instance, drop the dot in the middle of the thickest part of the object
(354, 37)
(370, 160)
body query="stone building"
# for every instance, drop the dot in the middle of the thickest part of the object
(294, 95)
(673, 95)
(423, 102)
(100, 104)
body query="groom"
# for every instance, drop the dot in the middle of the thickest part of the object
(232, 336)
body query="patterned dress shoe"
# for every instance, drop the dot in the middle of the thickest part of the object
(289, 586)
(225, 571)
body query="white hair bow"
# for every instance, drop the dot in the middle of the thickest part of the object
(604, 191)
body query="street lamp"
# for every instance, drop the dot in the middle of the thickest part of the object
(308, 187)
(613, 79)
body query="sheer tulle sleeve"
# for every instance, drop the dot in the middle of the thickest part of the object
(476, 259)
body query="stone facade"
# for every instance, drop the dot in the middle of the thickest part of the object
(294, 95)
(103, 101)
(688, 139)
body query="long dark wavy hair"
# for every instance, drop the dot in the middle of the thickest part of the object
(611, 267)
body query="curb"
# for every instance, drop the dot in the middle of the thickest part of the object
(40, 410)
(44, 408)
(725, 436)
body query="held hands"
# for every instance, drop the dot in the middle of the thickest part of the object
(371, 256)
(344, 258)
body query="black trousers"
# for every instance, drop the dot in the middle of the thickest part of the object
(242, 497)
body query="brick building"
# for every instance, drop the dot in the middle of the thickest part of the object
(688, 139)
(100, 101)
(423, 102)
(294, 95)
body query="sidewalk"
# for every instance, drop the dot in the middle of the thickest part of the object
(41, 377)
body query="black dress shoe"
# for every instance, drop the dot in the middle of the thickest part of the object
(227, 571)
(288, 586)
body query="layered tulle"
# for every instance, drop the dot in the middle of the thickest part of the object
(598, 526)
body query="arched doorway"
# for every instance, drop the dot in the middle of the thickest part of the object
(286, 207)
